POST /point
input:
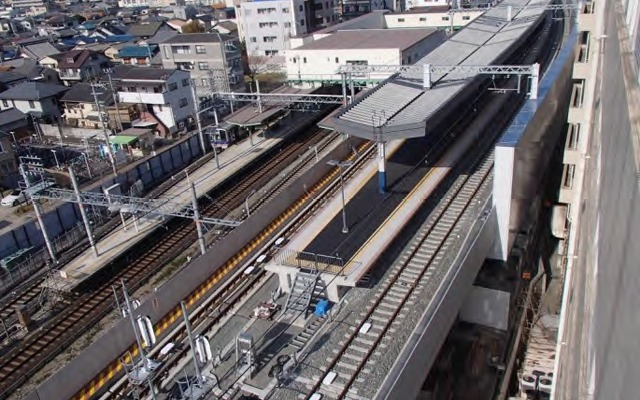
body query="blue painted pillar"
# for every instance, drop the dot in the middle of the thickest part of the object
(382, 173)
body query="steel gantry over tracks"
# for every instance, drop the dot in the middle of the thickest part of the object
(428, 70)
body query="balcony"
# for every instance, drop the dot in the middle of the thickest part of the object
(70, 74)
(143, 98)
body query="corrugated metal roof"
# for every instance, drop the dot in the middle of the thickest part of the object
(405, 102)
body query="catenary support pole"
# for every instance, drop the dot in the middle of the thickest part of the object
(83, 212)
(196, 213)
(36, 208)
(187, 326)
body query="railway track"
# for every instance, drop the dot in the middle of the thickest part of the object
(29, 291)
(88, 308)
(239, 285)
(411, 272)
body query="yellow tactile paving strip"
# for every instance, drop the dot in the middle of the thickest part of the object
(112, 369)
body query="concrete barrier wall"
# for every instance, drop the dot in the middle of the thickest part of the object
(106, 348)
(407, 376)
(152, 170)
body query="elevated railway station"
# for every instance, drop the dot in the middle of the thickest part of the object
(417, 235)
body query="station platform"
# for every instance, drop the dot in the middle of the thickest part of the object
(374, 220)
(204, 178)
(248, 116)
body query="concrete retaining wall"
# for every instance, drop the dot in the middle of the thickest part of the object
(106, 348)
(406, 377)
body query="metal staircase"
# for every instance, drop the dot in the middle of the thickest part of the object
(302, 292)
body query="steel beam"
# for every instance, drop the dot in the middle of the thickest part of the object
(125, 203)
(280, 99)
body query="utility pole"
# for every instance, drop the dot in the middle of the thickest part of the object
(104, 126)
(196, 105)
(115, 101)
(36, 208)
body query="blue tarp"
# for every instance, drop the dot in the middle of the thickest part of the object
(322, 308)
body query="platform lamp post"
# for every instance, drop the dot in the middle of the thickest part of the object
(342, 165)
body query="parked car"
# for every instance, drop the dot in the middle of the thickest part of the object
(14, 198)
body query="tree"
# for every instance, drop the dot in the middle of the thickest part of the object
(192, 26)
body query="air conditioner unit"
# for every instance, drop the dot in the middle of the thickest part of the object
(544, 385)
(529, 383)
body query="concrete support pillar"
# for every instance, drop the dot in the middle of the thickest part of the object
(332, 292)
(283, 277)
(382, 173)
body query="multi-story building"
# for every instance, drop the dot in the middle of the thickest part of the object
(30, 8)
(165, 94)
(80, 109)
(37, 99)
(76, 65)
(316, 61)
(211, 59)
(267, 26)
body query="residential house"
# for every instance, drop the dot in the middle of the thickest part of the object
(38, 99)
(227, 28)
(211, 59)
(145, 30)
(164, 95)
(111, 52)
(137, 55)
(29, 69)
(77, 65)
(80, 109)
(13, 125)
(36, 48)
(62, 21)
(10, 78)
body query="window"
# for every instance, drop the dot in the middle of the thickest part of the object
(267, 24)
(573, 136)
(271, 52)
(423, 19)
(159, 108)
(185, 82)
(5, 103)
(304, 60)
(300, 8)
(32, 104)
(181, 49)
(568, 174)
(285, 10)
(337, 60)
(400, 19)
(445, 18)
(201, 49)
(466, 18)
(287, 24)
(302, 22)
(266, 10)
(253, 40)
(295, 60)
(183, 102)
(269, 39)
(203, 66)
(326, 4)
(132, 89)
(173, 86)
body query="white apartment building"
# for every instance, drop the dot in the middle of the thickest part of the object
(267, 26)
(30, 7)
(167, 93)
(316, 61)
